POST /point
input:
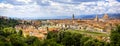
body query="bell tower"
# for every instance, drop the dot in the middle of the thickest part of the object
(96, 18)
(73, 17)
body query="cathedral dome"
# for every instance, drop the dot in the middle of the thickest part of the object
(106, 16)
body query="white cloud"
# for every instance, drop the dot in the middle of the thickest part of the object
(25, 1)
(55, 4)
(22, 11)
(57, 8)
(2, 5)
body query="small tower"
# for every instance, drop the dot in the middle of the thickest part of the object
(73, 17)
(96, 18)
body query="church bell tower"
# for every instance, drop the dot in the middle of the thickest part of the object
(96, 18)
(73, 17)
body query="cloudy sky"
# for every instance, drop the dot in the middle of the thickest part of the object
(51, 8)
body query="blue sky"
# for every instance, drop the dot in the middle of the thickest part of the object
(52, 8)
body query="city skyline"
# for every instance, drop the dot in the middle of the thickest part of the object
(55, 8)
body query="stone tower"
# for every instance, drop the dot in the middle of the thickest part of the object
(96, 18)
(73, 17)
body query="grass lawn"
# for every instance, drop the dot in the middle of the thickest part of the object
(89, 33)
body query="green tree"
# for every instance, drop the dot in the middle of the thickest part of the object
(115, 36)
(17, 40)
(4, 41)
(8, 31)
(83, 40)
(51, 42)
(20, 32)
(69, 38)
(33, 41)
(52, 34)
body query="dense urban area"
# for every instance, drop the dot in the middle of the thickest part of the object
(97, 31)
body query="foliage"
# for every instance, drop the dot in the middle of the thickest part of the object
(8, 23)
(51, 42)
(69, 39)
(115, 36)
(9, 36)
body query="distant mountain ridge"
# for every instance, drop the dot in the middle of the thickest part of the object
(70, 17)
(100, 16)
